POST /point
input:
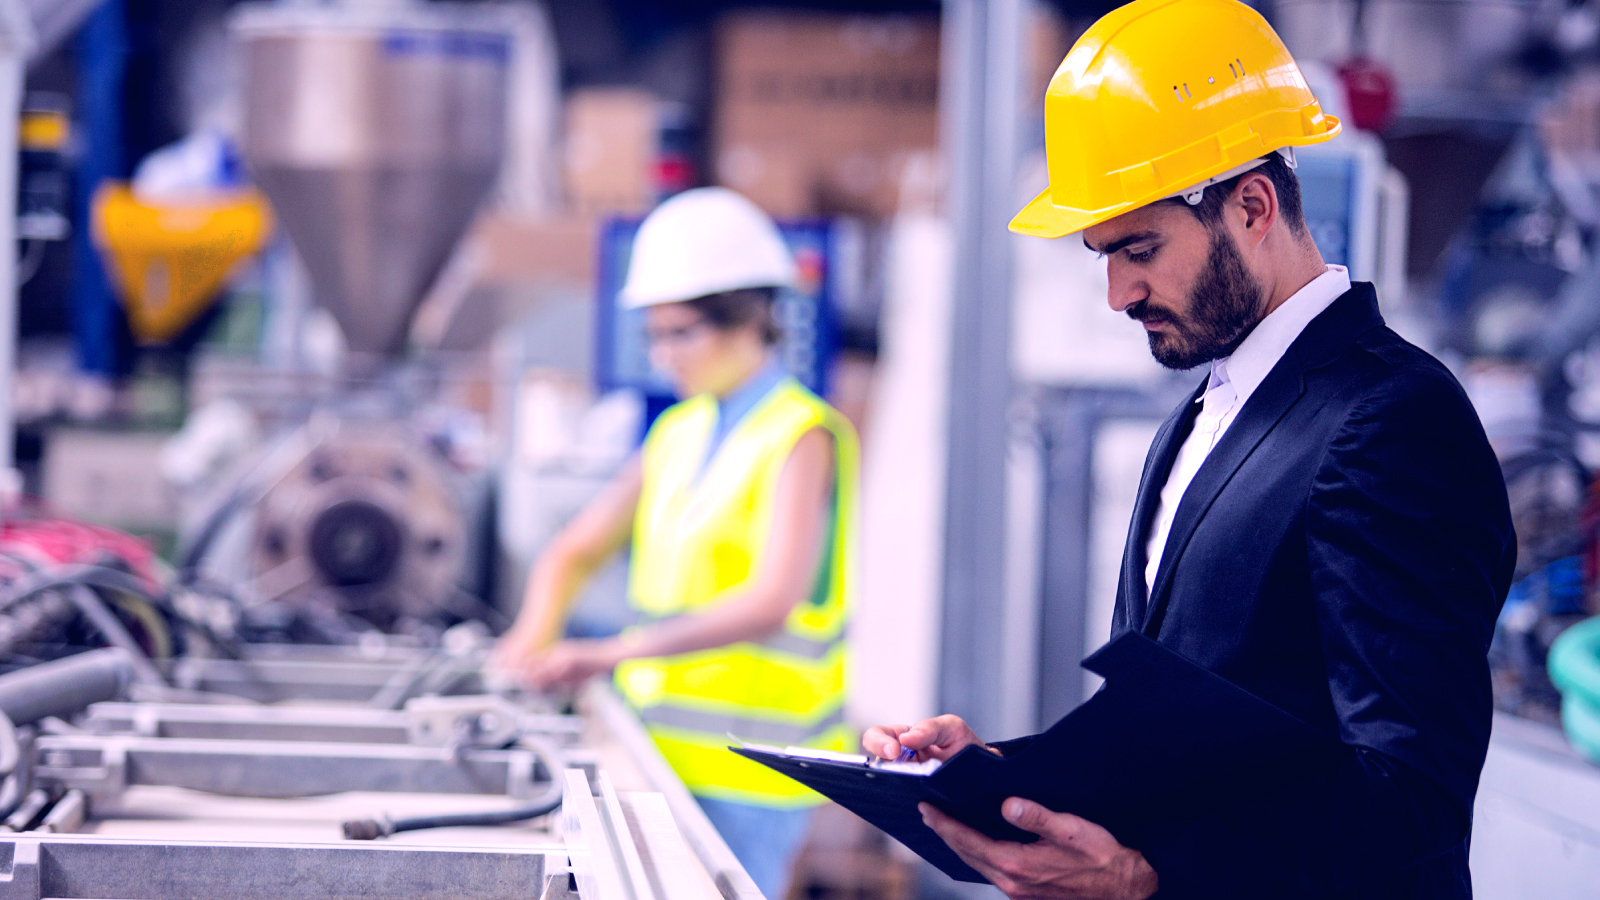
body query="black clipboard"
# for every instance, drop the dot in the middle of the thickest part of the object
(1164, 739)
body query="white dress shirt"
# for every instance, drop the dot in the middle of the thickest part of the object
(1232, 382)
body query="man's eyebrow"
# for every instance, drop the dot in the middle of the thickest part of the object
(1116, 245)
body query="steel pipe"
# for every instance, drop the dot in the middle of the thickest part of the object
(65, 686)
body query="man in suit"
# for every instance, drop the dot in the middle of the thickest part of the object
(1321, 522)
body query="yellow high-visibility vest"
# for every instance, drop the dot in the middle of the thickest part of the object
(699, 538)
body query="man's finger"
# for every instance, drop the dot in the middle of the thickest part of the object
(940, 731)
(882, 740)
(974, 849)
(957, 834)
(1030, 816)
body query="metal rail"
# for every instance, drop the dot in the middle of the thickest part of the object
(707, 845)
(277, 680)
(76, 866)
(289, 723)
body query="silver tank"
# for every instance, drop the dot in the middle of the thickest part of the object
(375, 130)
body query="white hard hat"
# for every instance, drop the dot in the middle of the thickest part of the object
(705, 241)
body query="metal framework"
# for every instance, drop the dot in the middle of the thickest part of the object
(649, 843)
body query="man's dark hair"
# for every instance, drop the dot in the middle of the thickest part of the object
(746, 306)
(1209, 209)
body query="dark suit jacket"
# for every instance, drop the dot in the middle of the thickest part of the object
(1342, 553)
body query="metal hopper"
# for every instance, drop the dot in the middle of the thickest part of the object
(376, 131)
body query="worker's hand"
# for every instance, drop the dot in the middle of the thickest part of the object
(570, 663)
(515, 650)
(938, 738)
(1074, 859)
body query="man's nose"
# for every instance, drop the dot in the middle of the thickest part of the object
(1122, 293)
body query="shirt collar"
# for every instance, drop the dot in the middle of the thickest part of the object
(738, 403)
(1266, 344)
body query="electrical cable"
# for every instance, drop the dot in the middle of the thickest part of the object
(30, 262)
(372, 829)
(546, 803)
(196, 552)
(110, 579)
(144, 612)
(110, 627)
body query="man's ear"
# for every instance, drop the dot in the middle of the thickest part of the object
(1259, 201)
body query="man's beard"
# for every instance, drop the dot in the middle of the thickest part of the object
(1224, 306)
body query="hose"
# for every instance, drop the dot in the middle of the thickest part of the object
(65, 686)
(196, 552)
(110, 627)
(546, 803)
(31, 619)
(371, 829)
(74, 582)
(1575, 670)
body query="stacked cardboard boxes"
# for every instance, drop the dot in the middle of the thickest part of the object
(818, 113)
(611, 144)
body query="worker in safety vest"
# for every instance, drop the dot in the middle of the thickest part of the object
(1320, 522)
(741, 508)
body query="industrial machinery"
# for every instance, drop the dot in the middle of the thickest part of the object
(375, 130)
(231, 798)
(299, 709)
(182, 762)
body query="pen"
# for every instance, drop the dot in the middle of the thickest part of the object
(906, 755)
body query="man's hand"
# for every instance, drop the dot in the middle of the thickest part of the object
(939, 738)
(1074, 859)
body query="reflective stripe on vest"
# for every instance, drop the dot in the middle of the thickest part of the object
(698, 538)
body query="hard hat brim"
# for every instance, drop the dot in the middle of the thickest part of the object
(1043, 218)
(632, 301)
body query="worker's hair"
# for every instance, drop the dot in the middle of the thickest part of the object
(1209, 209)
(746, 306)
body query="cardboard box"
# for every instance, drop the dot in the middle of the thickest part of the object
(610, 151)
(520, 251)
(816, 113)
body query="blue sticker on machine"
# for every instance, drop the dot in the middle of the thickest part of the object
(455, 44)
(807, 315)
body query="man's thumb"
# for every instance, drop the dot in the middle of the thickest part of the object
(1026, 814)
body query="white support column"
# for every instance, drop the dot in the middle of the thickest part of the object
(16, 38)
(981, 124)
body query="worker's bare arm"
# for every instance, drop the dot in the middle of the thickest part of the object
(803, 499)
(937, 738)
(599, 530)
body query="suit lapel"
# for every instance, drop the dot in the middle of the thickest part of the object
(1282, 387)
(1157, 466)
(1323, 339)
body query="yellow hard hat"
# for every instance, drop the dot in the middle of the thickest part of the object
(1156, 98)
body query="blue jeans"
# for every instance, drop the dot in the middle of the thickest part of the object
(766, 840)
